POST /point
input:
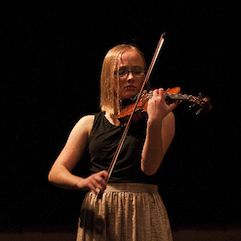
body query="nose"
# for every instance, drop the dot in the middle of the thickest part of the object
(130, 76)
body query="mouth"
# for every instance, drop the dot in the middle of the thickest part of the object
(130, 87)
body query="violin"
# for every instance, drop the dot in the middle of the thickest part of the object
(198, 104)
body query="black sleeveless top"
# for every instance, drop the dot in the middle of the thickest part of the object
(103, 141)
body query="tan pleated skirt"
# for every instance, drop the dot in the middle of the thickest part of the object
(126, 212)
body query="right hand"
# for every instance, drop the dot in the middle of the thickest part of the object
(96, 182)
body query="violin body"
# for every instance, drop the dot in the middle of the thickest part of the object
(198, 104)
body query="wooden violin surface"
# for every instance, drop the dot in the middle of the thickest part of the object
(197, 103)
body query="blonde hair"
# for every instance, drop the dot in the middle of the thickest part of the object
(109, 98)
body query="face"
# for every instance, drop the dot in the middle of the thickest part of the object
(130, 85)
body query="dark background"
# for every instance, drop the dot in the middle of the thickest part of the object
(51, 61)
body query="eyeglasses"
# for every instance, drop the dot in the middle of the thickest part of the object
(136, 72)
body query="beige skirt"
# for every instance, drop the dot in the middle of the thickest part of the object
(126, 212)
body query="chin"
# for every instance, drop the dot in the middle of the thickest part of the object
(128, 95)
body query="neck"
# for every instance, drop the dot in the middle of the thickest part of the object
(112, 119)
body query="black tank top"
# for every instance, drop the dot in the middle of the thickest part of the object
(103, 142)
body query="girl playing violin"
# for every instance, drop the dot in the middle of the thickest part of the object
(130, 207)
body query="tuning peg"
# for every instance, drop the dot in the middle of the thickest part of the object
(199, 111)
(192, 106)
(201, 95)
(195, 108)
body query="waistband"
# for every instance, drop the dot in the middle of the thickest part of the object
(131, 187)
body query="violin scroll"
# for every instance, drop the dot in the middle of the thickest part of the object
(200, 104)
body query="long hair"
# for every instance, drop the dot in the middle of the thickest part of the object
(109, 94)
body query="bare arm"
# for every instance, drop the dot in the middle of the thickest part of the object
(60, 174)
(160, 132)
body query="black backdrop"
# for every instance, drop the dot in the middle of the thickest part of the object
(51, 62)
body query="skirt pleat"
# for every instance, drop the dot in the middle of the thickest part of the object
(126, 212)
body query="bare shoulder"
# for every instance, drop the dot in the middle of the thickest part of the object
(76, 144)
(80, 133)
(85, 124)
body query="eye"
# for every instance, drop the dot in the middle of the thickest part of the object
(138, 71)
(122, 72)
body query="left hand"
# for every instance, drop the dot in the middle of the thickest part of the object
(157, 107)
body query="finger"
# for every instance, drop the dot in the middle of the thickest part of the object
(172, 106)
(162, 94)
(93, 184)
(100, 188)
(155, 93)
(100, 184)
(104, 174)
(97, 188)
(94, 189)
(161, 91)
(97, 191)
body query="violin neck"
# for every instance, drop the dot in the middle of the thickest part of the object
(178, 97)
(185, 97)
